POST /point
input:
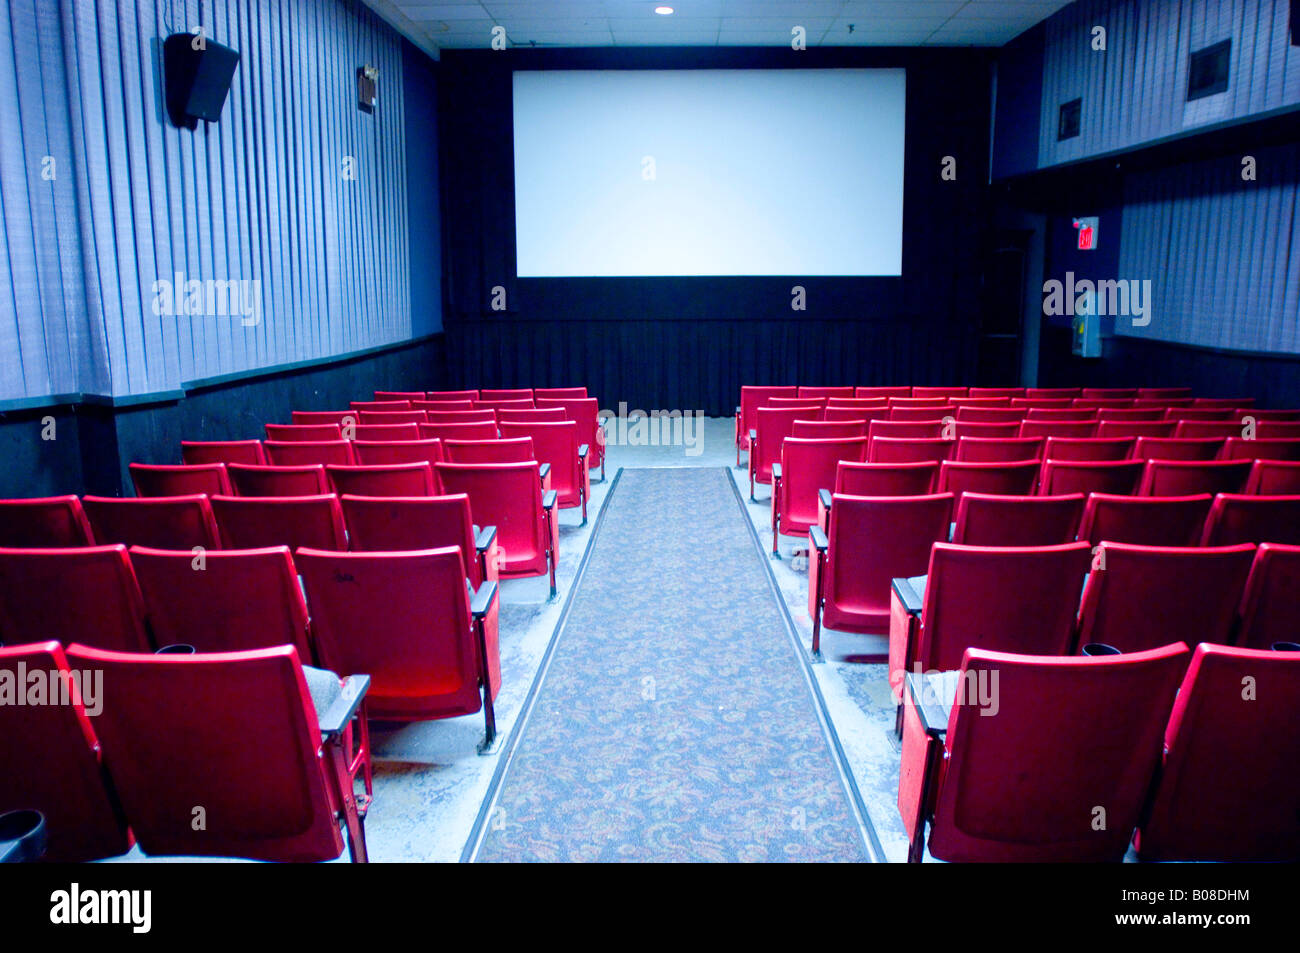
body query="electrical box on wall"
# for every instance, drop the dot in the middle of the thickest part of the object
(367, 88)
(1086, 339)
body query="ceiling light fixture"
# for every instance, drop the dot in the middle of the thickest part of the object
(664, 11)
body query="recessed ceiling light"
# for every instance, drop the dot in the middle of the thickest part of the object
(664, 11)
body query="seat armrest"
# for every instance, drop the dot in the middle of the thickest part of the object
(482, 600)
(483, 539)
(548, 499)
(925, 691)
(753, 434)
(817, 536)
(911, 599)
(352, 693)
(776, 471)
(824, 495)
(544, 470)
(583, 449)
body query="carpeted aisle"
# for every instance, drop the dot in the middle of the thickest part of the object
(675, 721)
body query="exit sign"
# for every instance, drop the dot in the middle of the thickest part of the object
(1087, 228)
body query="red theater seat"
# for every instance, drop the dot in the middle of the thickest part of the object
(183, 480)
(900, 450)
(393, 417)
(886, 479)
(861, 544)
(163, 522)
(439, 406)
(991, 520)
(518, 393)
(1053, 393)
(998, 449)
(991, 415)
(1186, 477)
(559, 393)
(1071, 736)
(1000, 479)
(560, 445)
(536, 415)
(238, 599)
(309, 480)
(947, 393)
(1090, 476)
(1229, 784)
(1238, 448)
(1135, 428)
(435, 660)
(51, 762)
(807, 466)
(394, 479)
(260, 522)
(1088, 448)
(197, 452)
(504, 404)
(452, 395)
(509, 496)
(1222, 429)
(772, 426)
(825, 392)
(1274, 478)
(484, 430)
(1248, 518)
(890, 392)
(585, 412)
(380, 405)
(387, 396)
(923, 414)
(829, 429)
(462, 416)
(1132, 414)
(514, 450)
(1109, 393)
(1145, 520)
(1058, 428)
(906, 429)
(1007, 392)
(88, 595)
(1138, 597)
(1061, 414)
(1163, 393)
(44, 522)
(317, 417)
(751, 398)
(1176, 448)
(426, 522)
(1271, 604)
(236, 733)
(977, 428)
(308, 452)
(293, 433)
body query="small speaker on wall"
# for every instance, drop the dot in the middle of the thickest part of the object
(367, 88)
(197, 75)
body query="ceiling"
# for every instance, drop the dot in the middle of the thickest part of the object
(467, 24)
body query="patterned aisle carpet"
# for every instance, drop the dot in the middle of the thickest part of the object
(674, 722)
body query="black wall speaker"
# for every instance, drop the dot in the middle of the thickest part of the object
(196, 80)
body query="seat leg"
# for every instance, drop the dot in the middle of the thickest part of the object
(353, 813)
(898, 722)
(817, 603)
(485, 676)
(916, 849)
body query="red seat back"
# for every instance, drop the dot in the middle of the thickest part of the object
(339, 417)
(1185, 477)
(1007, 392)
(1130, 413)
(71, 595)
(835, 414)
(513, 450)
(426, 665)
(462, 416)
(873, 540)
(1135, 428)
(807, 466)
(1230, 784)
(902, 450)
(1138, 597)
(1239, 448)
(383, 433)
(829, 429)
(394, 479)
(1053, 393)
(1278, 429)
(1088, 448)
(1090, 476)
(517, 393)
(183, 480)
(484, 430)
(504, 404)
(559, 393)
(773, 425)
(439, 406)
(1222, 429)
(307, 452)
(556, 444)
(387, 396)
(393, 417)
(999, 598)
(886, 479)
(991, 520)
(234, 732)
(751, 398)
(309, 480)
(585, 412)
(1145, 520)
(991, 415)
(1243, 518)
(380, 405)
(44, 522)
(50, 760)
(1176, 448)
(381, 452)
(1070, 735)
(1109, 393)
(978, 428)
(536, 415)
(1058, 428)
(1274, 478)
(1000, 479)
(998, 449)
(1163, 393)
(945, 392)
(164, 522)
(922, 414)
(890, 392)
(427, 522)
(509, 497)
(1271, 603)
(452, 395)
(824, 392)
(858, 403)
(196, 452)
(248, 522)
(295, 433)
(236, 600)
(1061, 414)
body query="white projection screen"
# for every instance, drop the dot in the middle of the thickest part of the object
(709, 172)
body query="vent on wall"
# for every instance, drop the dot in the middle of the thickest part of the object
(1067, 124)
(1207, 71)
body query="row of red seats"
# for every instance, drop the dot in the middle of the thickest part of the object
(241, 734)
(1188, 756)
(486, 393)
(860, 543)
